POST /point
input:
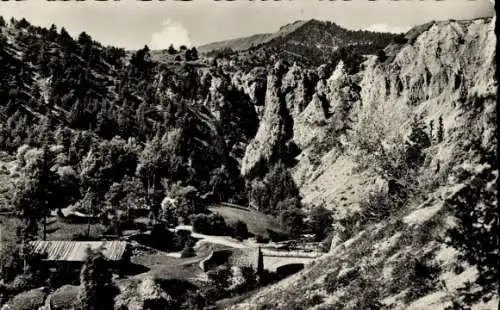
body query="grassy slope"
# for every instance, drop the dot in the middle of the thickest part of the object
(247, 42)
(257, 222)
(383, 253)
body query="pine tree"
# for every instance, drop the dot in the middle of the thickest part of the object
(418, 140)
(431, 129)
(171, 50)
(440, 130)
(96, 288)
(475, 234)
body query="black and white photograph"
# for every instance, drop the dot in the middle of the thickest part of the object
(248, 155)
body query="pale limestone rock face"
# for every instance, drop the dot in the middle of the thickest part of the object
(310, 124)
(297, 87)
(254, 85)
(327, 113)
(275, 126)
(447, 70)
(293, 88)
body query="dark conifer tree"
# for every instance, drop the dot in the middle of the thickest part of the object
(96, 288)
(440, 130)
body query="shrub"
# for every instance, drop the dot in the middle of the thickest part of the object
(193, 301)
(423, 277)
(241, 230)
(161, 238)
(275, 236)
(261, 239)
(293, 220)
(212, 224)
(311, 301)
(326, 243)
(339, 279)
(267, 277)
(376, 207)
(475, 236)
(171, 50)
(321, 222)
(96, 288)
(250, 278)
(276, 187)
(188, 251)
(381, 55)
(181, 239)
(417, 275)
(220, 280)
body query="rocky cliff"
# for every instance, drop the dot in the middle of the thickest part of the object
(444, 76)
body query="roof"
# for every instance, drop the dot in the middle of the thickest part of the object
(76, 251)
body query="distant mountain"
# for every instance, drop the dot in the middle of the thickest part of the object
(309, 41)
(245, 43)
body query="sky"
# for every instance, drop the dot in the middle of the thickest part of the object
(133, 23)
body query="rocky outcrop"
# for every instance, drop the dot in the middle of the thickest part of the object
(297, 87)
(275, 127)
(255, 84)
(447, 69)
(328, 111)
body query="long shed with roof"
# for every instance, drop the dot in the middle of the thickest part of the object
(74, 253)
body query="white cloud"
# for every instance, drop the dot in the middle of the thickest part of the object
(387, 28)
(171, 33)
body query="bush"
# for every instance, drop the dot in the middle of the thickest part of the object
(381, 55)
(267, 277)
(181, 239)
(163, 239)
(249, 279)
(321, 222)
(188, 251)
(241, 230)
(311, 301)
(276, 187)
(220, 280)
(337, 280)
(160, 237)
(29, 300)
(419, 276)
(293, 220)
(275, 236)
(376, 207)
(261, 239)
(475, 236)
(212, 224)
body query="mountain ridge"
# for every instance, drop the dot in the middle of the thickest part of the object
(308, 41)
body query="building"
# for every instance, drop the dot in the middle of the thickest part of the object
(72, 254)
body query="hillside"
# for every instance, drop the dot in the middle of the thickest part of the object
(381, 147)
(390, 252)
(309, 42)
